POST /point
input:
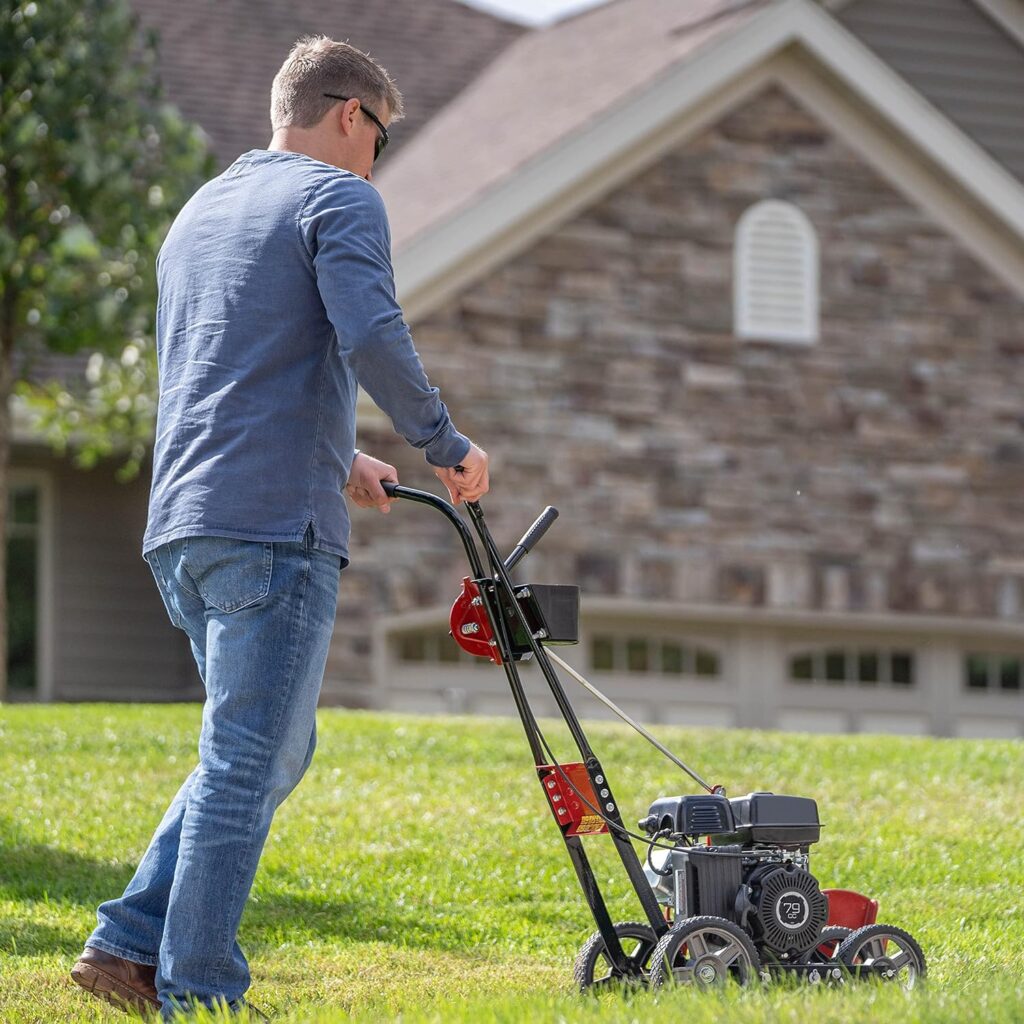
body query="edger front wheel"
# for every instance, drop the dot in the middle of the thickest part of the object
(593, 968)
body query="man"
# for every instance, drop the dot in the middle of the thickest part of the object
(276, 298)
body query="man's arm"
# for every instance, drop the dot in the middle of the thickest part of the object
(345, 230)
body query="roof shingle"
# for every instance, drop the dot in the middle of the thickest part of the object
(548, 84)
(218, 58)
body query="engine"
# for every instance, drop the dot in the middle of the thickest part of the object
(754, 872)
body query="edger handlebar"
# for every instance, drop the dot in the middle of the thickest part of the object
(526, 543)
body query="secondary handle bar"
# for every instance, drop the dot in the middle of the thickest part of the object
(531, 537)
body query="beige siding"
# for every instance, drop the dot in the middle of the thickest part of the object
(111, 637)
(958, 59)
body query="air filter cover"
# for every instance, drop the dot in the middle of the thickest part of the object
(772, 819)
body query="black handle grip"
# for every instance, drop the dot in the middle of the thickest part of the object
(532, 535)
(389, 486)
(539, 528)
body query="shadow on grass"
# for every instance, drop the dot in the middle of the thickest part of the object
(28, 938)
(32, 872)
(38, 871)
(298, 918)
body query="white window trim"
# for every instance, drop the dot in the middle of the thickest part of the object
(45, 631)
(746, 325)
(990, 692)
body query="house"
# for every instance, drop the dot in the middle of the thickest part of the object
(739, 288)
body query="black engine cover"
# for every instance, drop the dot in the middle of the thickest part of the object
(789, 910)
(772, 819)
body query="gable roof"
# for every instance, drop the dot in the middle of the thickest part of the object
(445, 237)
(218, 60)
(546, 86)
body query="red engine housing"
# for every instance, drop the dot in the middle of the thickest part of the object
(470, 626)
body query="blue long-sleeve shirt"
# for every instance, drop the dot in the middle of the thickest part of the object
(276, 298)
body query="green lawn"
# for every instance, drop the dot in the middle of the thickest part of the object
(416, 874)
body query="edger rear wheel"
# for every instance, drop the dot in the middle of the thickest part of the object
(593, 969)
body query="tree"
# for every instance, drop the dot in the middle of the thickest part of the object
(93, 166)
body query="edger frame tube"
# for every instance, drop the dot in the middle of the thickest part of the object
(598, 778)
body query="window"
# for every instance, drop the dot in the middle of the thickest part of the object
(994, 672)
(638, 654)
(775, 274)
(841, 667)
(602, 653)
(649, 655)
(434, 647)
(24, 543)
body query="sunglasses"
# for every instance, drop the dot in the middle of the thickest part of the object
(382, 138)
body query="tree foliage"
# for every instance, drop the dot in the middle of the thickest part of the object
(93, 166)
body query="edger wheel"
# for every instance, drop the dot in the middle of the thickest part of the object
(593, 968)
(893, 953)
(706, 952)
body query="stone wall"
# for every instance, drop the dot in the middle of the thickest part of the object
(881, 469)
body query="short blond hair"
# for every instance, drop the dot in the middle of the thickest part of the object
(318, 64)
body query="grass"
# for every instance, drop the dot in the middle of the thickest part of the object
(416, 874)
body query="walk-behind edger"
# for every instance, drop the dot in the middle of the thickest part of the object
(726, 890)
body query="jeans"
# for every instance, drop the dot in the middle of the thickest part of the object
(259, 617)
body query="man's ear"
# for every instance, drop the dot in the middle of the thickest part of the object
(349, 112)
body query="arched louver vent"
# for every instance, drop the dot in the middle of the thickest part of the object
(775, 274)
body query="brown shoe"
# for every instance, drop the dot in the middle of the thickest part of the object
(124, 983)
